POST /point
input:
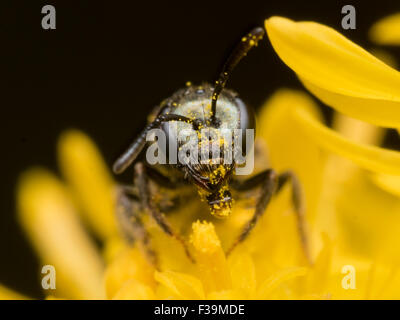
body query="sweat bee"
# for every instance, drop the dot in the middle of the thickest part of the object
(210, 107)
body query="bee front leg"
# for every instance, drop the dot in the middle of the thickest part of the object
(130, 222)
(147, 204)
(272, 183)
(299, 208)
(268, 181)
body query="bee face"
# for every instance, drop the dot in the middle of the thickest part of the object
(213, 186)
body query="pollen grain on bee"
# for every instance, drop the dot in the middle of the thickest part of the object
(210, 146)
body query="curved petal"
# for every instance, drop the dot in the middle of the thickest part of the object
(357, 130)
(269, 285)
(243, 273)
(291, 126)
(386, 57)
(182, 285)
(90, 181)
(370, 223)
(366, 156)
(316, 280)
(337, 71)
(135, 290)
(288, 147)
(386, 30)
(51, 223)
(9, 294)
(128, 265)
(389, 183)
(225, 295)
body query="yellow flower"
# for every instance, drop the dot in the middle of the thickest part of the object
(269, 265)
(386, 31)
(355, 83)
(337, 71)
(347, 78)
(350, 183)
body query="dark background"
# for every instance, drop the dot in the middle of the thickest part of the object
(108, 63)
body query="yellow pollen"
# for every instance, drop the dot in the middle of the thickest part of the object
(204, 238)
(211, 262)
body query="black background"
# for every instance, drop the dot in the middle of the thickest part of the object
(108, 63)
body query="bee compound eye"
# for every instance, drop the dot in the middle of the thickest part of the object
(247, 125)
(247, 115)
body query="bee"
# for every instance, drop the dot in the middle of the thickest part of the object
(201, 107)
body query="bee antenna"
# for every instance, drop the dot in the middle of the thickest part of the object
(242, 48)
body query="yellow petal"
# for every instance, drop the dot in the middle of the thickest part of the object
(9, 294)
(320, 271)
(363, 219)
(366, 156)
(128, 265)
(337, 71)
(388, 182)
(182, 285)
(135, 290)
(357, 130)
(386, 57)
(335, 289)
(113, 247)
(210, 258)
(51, 297)
(269, 285)
(390, 288)
(366, 219)
(386, 30)
(170, 252)
(225, 295)
(289, 147)
(243, 273)
(275, 243)
(90, 181)
(47, 215)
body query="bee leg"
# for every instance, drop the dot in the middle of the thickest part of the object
(141, 181)
(136, 147)
(268, 181)
(299, 208)
(272, 183)
(179, 195)
(130, 222)
(161, 180)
